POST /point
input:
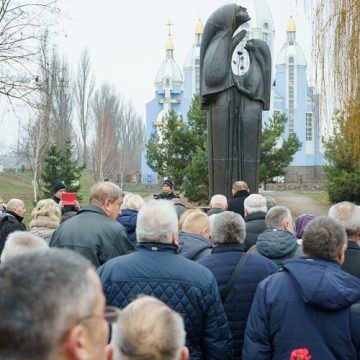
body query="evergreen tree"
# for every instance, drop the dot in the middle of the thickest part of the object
(52, 170)
(59, 166)
(274, 159)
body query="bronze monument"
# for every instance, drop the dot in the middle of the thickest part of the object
(235, 89)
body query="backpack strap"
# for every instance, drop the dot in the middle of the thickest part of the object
(225, 291)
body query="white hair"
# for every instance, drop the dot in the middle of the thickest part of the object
(228, 227)
(133, 202)
(219, 201)
(157, 222)
(255, 203)
(20, 242)
(348, 214)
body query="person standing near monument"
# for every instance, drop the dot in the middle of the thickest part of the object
(240, 191)
(168, 193)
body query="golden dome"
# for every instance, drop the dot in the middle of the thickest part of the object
(199, 29)
(169, 43)
(291, 25)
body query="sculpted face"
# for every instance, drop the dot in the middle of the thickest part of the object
(241, 16)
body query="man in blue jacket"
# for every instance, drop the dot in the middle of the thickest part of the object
(228, 233)
(187, 287)
(308, 304)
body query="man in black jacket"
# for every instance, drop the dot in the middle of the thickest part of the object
(11, 220)
(349, 215)
(168, 193)
(240, 192)
(93, 232)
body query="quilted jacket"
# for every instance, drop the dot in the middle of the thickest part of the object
(187, 287)
(237, 305)
(193, 246)
(128, 220)
(307, 305)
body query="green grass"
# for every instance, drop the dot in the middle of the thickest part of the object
(321, 196)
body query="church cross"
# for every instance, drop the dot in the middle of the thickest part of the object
(169, 24)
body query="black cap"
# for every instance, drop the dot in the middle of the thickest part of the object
(58, 186)
(168, 182)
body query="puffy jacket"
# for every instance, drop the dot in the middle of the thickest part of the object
(236, 204)
(43, 226)
(237, 305)
(307, 305)
(193, 246)
(187, 287)
(352, 259)
(128, 220)
(9, 223)
(92, 234)
(278, 245)
(255, 225)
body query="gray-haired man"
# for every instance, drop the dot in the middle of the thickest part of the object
(52, 308)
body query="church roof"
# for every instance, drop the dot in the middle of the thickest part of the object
(191, 56)
(291, 25)
(287, 51)
(169, 69)
(199, 29)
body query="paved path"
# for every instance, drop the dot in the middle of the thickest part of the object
(298, 204)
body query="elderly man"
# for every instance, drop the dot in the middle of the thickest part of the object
(349, 215)
(255, 211)
(307, 305)
(278, 242)
(194, 242)
(218, 204)
(228, 234)
(52, 308)
(240, 191)
(11, 220)
(93, 232)
(148, 329)
(20, 242)
(187, 287)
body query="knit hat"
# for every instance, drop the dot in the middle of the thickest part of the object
(168, 182)
(301, 223)
(58, 186)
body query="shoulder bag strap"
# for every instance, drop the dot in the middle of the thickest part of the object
(225, 291)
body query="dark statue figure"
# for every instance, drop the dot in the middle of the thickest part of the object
(235, 89)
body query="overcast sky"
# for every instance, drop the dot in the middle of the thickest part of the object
(127, 39)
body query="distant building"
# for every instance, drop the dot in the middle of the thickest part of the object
(293, 97)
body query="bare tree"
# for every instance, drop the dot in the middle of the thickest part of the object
(105, 143)
(21, 26)
(62, 102)
(84, 88)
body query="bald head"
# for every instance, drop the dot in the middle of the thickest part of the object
(238, 186)
(197, 223)
(17, 206)
(349, 215)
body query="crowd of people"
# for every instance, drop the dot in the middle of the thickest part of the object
(120, 278)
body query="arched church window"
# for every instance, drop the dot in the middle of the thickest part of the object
(167, 82)
(266, 34)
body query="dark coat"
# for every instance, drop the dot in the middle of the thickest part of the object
(237, 305)
(352, 259)
(187, 287)
(193, 246)
(305, 306)
(128, 220)
(214, 211)
(92, 234)
(278, 245)
(237, 203)
(65, 208)
(9, 223)
(180, 209)
(255, 225)
(163, 196)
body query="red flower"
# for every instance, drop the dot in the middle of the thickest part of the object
(300, 354)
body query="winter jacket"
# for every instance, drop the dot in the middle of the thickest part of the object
(307, 305)
(214, 211)
(187, 287)
(236, 204)
(163, 196)
(278, 245)
(352, 259)
(193, 246)
(255, 225)
(128, 220)
(44, 227)
(9, 223)
(222, 263)
(92, 234)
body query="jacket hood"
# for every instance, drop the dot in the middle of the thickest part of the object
(323, 284)
(274, 244)
(128, 219)
(191, 244)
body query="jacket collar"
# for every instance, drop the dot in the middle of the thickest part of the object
(156, 247)
(92, 208)
(16, 216)
(221, 248)
(255, 216)
(241, 193)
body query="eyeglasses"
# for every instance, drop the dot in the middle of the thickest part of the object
(111, 314)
